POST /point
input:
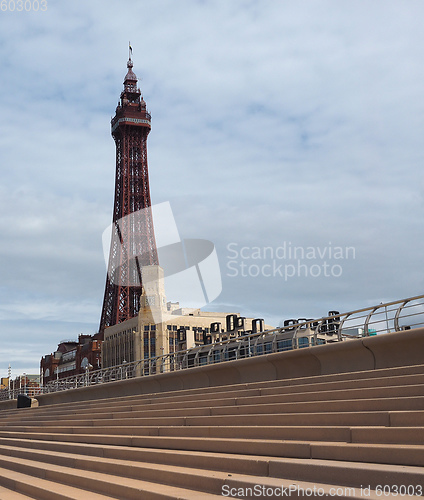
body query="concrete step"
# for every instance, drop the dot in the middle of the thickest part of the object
(234, 487)
(406, 454)
(400, 405)
(402, 380)
(355, 405)
(366, 376)
(108, 485)
(178, 476)
(389, 373)
(406, 418)
(289, 448)
(279, 448)
(248, 464)
(395, 454)
(360, 434)
(6, 494)
(379, 418)
(231, 408)
(347, 473)
(393, 435)
(299, 419)
(332, 431)
(315, 433)
(339, 395)
(126, 487)
(259, 388)
(19, 485)
(373, 378)
(345, 418)
(322, 472)
(208, 393)
(295, 489)
(328, 395)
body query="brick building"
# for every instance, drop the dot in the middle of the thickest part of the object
(71, 358)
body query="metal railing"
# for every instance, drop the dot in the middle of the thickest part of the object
(380, 319)
(13, 393)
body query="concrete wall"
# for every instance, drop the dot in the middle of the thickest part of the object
(382, 351)
(8, 405)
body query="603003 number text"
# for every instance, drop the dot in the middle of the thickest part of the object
(23, 5)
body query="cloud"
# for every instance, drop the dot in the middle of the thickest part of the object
(273, 122)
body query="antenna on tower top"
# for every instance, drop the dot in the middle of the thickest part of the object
(129, 50)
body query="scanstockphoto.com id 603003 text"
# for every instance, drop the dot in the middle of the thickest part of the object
(297, 490)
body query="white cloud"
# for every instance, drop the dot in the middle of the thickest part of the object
(272, 122)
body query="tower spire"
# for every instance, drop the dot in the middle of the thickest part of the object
(133, 244)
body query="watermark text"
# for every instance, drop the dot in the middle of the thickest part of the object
(287, 261)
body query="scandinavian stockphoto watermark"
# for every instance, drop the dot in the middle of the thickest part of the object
(191, 272)
(287, 261)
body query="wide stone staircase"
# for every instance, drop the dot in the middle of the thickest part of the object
(349, 435)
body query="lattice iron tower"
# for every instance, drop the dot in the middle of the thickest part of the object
(133, 241)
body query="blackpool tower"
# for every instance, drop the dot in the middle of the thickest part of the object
(133, 240)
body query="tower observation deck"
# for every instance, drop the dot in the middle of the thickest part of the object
(133, 242)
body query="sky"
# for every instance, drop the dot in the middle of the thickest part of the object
(287, 132)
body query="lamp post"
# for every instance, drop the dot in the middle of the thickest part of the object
(9, 373)
(87, 373)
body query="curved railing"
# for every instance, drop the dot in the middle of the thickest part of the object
(384, 318)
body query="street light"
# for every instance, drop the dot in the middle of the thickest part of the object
(88, 367)
(9, 373)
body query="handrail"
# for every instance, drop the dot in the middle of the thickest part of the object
(334, 328)
(396, 319)
(367, 321)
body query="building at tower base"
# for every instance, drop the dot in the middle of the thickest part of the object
(162, 327)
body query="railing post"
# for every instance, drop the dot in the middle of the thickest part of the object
(399, 310)
(367, 320)
(346, 316)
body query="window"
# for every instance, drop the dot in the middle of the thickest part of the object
(284, 345)
(150, 300)
(303, 342)
(198, 334)
(268, 347)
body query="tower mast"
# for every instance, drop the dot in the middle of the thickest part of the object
(133, 242)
